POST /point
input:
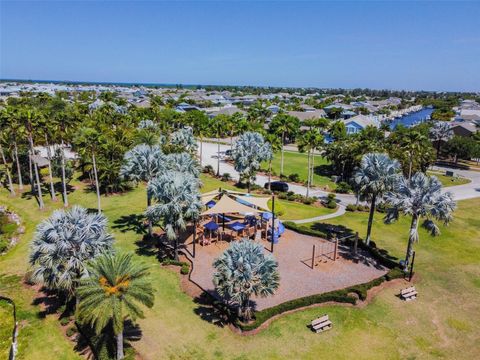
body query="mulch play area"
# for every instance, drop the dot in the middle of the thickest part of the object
(297, 278)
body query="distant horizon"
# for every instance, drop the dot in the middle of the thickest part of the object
(189, 85)
(325, 45)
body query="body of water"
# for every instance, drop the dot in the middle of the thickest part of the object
(412, 118)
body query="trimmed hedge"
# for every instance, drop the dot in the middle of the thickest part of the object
(340, 296)
(185, 266)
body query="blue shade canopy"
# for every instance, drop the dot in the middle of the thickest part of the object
(210, 204)
(212, 226)
(281, 228)
(224, 218)
(236, 226)
(267, 215)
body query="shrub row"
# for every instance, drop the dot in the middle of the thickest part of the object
(185, 266)
(353, 207)
(340, 296)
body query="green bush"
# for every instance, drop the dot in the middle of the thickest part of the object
(208, 169)
(71, 331)
(64, 321)
(308, 201)
(185, 269)
(226, 177)
(331, 204)
(343, 188)
(331, 196)
(294, 177)
(3, 244)
(185, 266)
(351, 207)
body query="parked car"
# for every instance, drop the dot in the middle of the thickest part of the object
(277, 186)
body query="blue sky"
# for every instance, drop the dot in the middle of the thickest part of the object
(394, 45)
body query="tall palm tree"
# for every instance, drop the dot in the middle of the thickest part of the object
(201, 128)
(441, 131)
(218, 129)
(244, 270)
(88, 140)
(112, 292)
(182, 162)
(310, 140)
(284, 125)
(12, 127)
(63, 244)
(375, 176)
(275, 145)
(248, 152)
(7, 170)
(143, 163)
(31, 119)
(184, 140)
(177, 200)
(419, 197)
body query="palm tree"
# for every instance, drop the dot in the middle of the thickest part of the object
(311, 140)
(177, 200)
(248, 152)
(31, 119)
(421, 196)
(218, 129)
(284, 125)
(244, 270)
(88, 140)
(275, 145)
(112, 292)
(441, 131)
(63, 244)
(201, 128)
(143, 163)
(376, 175)
(14, 130)
(184, 140)
(7, 170)
(182, 162)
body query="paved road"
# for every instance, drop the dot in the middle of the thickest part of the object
(460, 192)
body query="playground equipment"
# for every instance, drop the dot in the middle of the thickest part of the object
(328, 250)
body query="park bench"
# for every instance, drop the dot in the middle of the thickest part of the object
(321, 324)
(409, 293)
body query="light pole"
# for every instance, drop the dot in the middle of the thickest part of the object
(273, 222)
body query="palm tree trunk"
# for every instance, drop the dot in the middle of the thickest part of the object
(150, 226)
(30, 168)
(283, 144)
(411, 239)
(218, 155)
(120, 354)
(308, 174)
(269, 174)
(10, 183)
(19, 170)
(37, 177)
(97, 186)
(201, 150)
(64, 182)
(370, 219)
(313, 167)
(52, 188)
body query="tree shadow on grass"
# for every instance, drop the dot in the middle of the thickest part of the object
(330, 230)
(324, 170)
(50, 302)
(131, 222)
(214, 310)
(103, 345)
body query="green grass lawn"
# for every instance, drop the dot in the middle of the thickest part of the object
(444, 322)
(296, 163)
(449, 180)
(290, 210)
